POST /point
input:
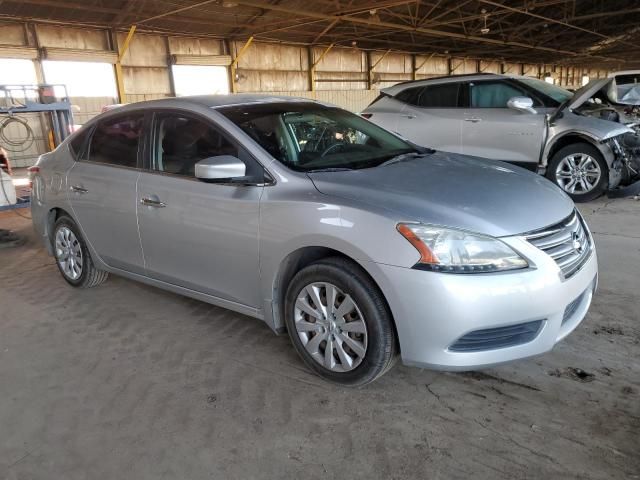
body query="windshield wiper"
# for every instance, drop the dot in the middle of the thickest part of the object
(329, 169)
(403, 157)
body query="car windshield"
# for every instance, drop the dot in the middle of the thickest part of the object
(557, 93)
(310, 137)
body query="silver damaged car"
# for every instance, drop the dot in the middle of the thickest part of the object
(517, 119)
(359, 244)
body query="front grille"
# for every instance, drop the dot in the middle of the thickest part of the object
(500, 337)
(567, 242)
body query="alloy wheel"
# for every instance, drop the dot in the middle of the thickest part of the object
(68, 253)
(330, 326)
(578, 173)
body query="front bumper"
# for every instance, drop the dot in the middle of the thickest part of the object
(433, 310)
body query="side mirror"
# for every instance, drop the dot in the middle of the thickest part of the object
(522, 104)
(220, 167)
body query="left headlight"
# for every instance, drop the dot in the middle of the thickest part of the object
(456, 251)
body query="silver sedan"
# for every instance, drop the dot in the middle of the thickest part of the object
(362, 246)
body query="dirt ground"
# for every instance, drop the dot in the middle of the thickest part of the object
(126, 381)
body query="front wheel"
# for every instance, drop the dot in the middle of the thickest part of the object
(580, 170)
(340, 323)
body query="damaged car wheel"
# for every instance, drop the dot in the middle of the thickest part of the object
(580, 171)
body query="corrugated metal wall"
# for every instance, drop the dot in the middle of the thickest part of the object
(348, 77)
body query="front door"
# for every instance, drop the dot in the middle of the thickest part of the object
(492, 130)
(199, 235)
(102, 191)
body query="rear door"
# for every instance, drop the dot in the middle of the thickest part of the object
(490, 129)
(431, 116)
(102, 190)
(199, 235)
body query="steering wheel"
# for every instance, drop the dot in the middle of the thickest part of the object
(331, 148)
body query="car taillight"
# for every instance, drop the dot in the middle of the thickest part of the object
(366, 115)
(32, 171)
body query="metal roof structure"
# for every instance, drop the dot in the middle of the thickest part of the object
(595, 32)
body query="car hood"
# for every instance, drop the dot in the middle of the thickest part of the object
(483, 196)
(585, 93)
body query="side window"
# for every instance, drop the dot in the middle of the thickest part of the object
(444, 95)
(182, 141)
(493, 94)
(115, 141)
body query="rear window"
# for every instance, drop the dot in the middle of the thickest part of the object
(115, 141)
(78, 143)
(445, 95)
(628, 79)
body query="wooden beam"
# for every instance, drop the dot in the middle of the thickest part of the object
(414, 70)
(176, 10)
(118, 66)
(379, 60)
(234, 64)
(326, 30)
(402, 27)
(546, 19)
(373, 66)
(425, 62)
(312, 68)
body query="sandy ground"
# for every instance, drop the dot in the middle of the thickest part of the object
(126, 381)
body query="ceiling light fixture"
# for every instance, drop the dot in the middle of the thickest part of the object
(485, 29)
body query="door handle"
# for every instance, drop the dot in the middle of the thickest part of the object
(78, 189)
(408, 115)
(473, 119)
(150, 202)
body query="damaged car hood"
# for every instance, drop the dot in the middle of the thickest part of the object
(583, 94)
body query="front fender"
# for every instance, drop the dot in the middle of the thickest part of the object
(293, 221)
(603, 146)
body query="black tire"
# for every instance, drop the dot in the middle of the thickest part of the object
(90, 276)
(382, 347)
(580, 148)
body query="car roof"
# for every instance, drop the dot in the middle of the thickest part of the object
(398, 87)
(623, 72)
(217, 101)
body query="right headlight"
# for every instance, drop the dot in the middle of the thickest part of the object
(456, 251)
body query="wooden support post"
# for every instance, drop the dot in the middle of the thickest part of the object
(31, 37)
(452, 68)
(374, 65)
(414, 71)
(234, 65)
(122, 98)
(367, 61)
(312, 68)
(172, 81)
(417, 68)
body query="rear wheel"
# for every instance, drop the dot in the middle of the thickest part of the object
(340, 323)
(72, 256)
(580, 171)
